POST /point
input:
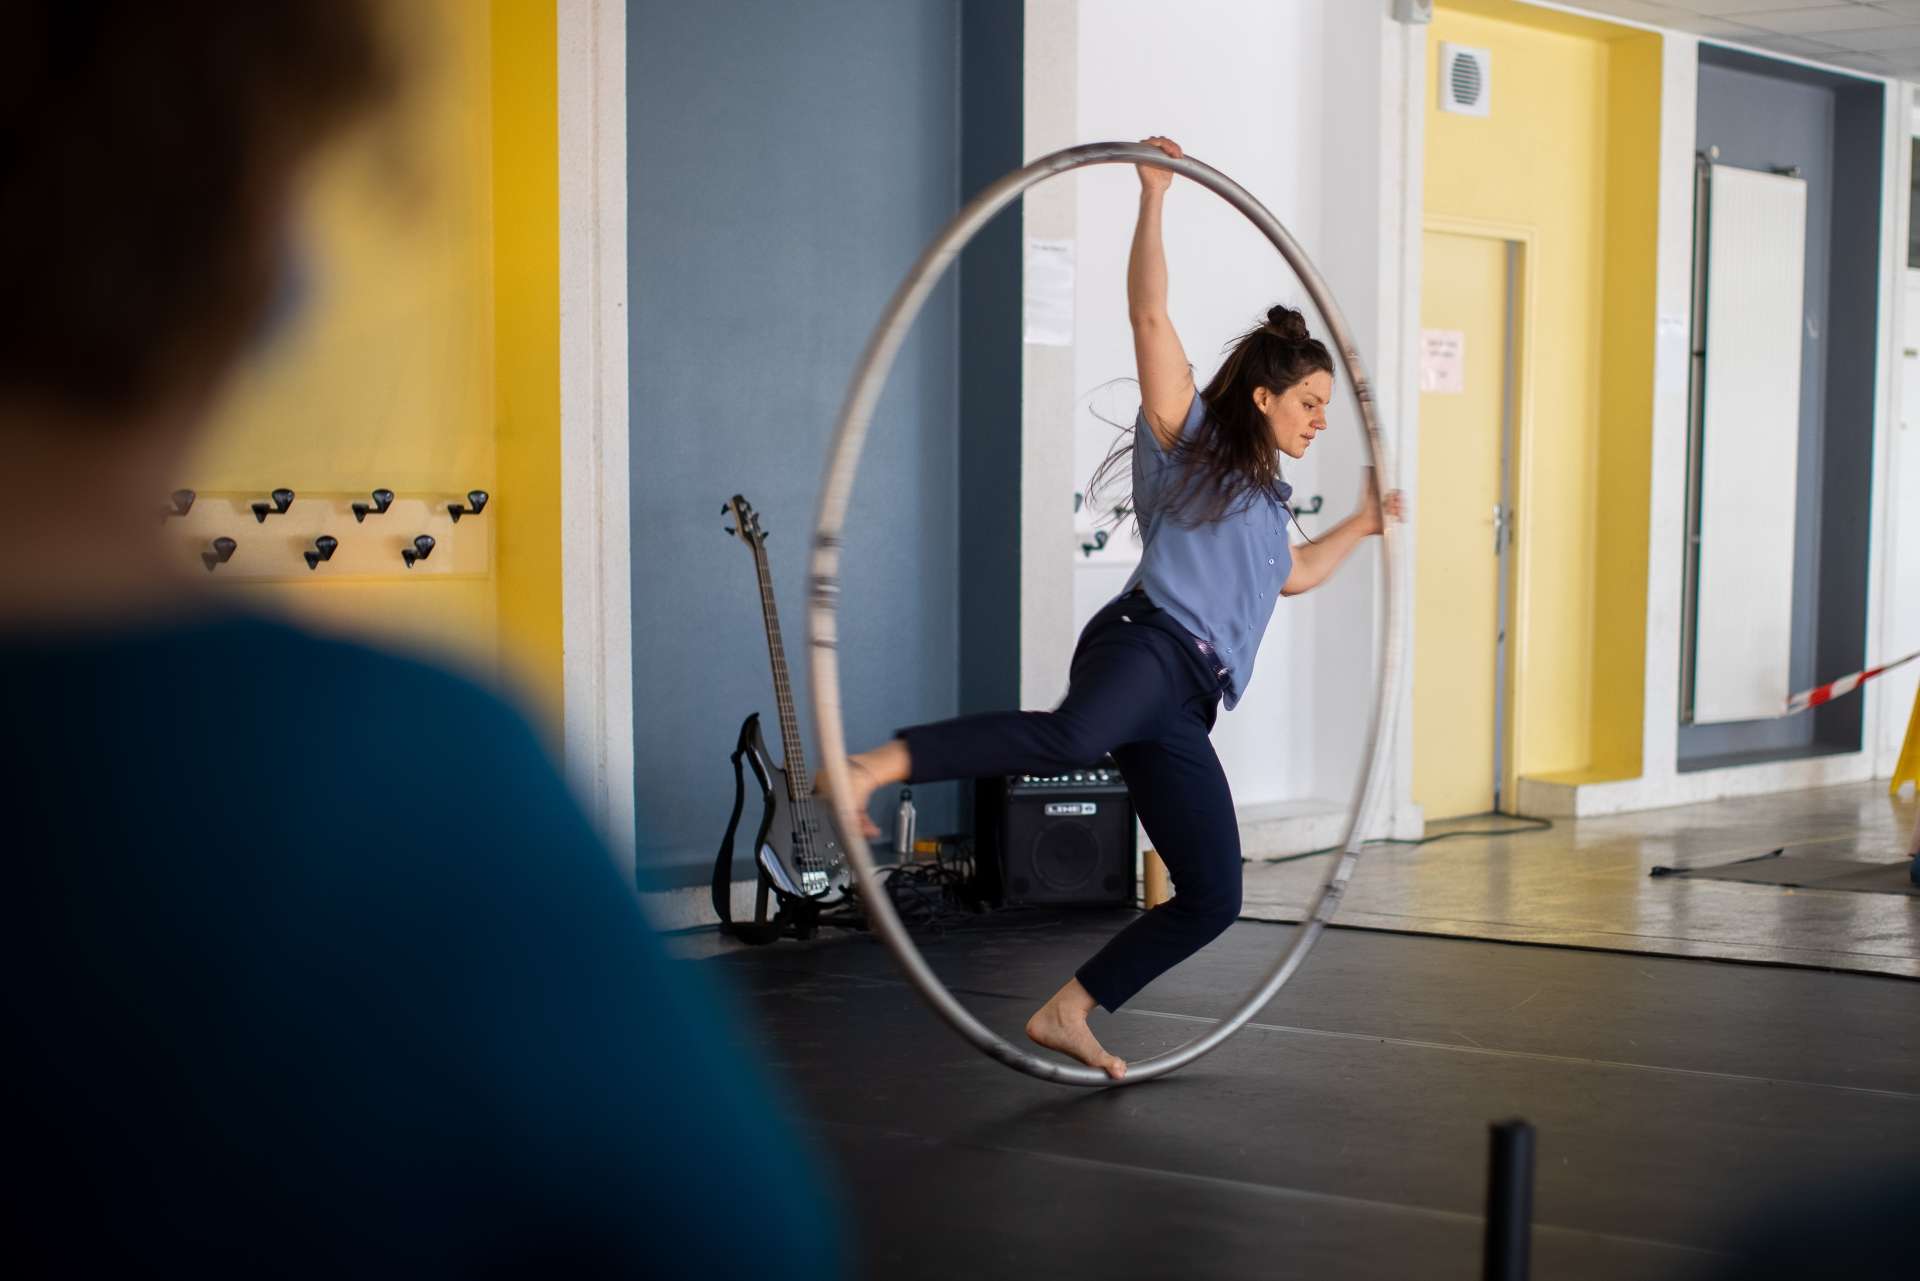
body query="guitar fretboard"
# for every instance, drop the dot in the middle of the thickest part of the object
(799, 786)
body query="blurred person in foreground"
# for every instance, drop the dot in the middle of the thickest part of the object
(311, 964)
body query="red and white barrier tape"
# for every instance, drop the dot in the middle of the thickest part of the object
(1845, 685)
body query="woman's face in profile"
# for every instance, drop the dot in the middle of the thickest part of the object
(1298, 414)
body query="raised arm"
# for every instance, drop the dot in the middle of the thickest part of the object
(1166, 379)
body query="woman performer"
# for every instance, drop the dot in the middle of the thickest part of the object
(1153, 666)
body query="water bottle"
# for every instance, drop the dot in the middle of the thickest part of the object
(903, 825)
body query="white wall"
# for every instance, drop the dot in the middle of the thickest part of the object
(595, 479)
(1290, 100)
(1901, 632)
(1048, 623)
(1900, 622)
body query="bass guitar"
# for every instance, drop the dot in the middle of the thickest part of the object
(799, 858)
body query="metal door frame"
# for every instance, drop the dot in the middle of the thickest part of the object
(1505, 514)
(1512, 571)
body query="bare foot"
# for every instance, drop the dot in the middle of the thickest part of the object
(1061, 1024)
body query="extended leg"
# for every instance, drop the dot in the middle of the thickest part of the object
(1125, 681)
(1181, 794)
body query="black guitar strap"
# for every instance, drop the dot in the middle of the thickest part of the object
(755, 932)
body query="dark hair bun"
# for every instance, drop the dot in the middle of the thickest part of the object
(1290, 324)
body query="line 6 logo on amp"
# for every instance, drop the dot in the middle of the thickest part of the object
(1058, 808)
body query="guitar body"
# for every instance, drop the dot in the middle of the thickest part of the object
(797, 851)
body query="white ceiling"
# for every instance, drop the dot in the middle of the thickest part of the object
(1879, 36)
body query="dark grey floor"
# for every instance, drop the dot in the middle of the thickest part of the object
(1344, 1133)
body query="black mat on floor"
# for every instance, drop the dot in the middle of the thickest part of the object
(1807, 872)
(1343, 1133)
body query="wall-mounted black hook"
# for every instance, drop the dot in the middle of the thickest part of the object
(476, 503)
(1099, 541)
(182, 504)
(282, 499)
(219, 553)
(323, 549)
(382, 499)
(1309, 508)
(421, 549)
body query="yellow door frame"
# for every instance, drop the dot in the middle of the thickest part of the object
(1519, 565)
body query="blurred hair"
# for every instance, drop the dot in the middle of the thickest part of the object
(148, 151)
(1231, 458)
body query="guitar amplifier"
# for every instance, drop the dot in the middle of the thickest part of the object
(1061, 839)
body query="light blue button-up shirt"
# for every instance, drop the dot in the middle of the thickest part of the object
(1218, 580)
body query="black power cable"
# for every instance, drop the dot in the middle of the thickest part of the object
(1528, 825)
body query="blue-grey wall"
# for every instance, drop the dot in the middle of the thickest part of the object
(788, 162)
(992, 109)
(1853, 364)
(1764, 114)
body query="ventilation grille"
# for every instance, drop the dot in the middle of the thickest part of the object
(1465, 75)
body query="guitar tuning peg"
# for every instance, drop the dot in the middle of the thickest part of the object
(730, 529)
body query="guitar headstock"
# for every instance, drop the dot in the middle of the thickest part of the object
(746, 521)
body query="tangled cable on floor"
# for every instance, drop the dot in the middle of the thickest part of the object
(934, 899)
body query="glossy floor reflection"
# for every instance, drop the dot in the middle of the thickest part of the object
(1585, 883)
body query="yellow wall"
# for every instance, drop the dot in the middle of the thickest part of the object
(405, 369)
(526, 223)
(1570, 153)
(1626, 438)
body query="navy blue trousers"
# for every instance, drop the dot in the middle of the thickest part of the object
(1141, 690)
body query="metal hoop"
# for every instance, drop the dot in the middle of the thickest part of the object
(863, 393)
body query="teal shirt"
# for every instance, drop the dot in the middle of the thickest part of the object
(312, 967)
(1218, 580)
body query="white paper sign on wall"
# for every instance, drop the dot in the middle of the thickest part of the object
(1443, 361)
(1048, 293)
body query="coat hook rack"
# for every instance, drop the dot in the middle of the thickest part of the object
(219, 552)
(323, 549)
(282, 499)
(476, 503)
(382, 499)
(421, 549)
(182, 504)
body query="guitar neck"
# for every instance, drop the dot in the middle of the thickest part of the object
(798, 784)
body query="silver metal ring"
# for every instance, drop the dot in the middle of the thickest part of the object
(863, 393)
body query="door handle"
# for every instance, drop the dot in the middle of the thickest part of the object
(1502, 528)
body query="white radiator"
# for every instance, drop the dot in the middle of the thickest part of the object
(1756, 279)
